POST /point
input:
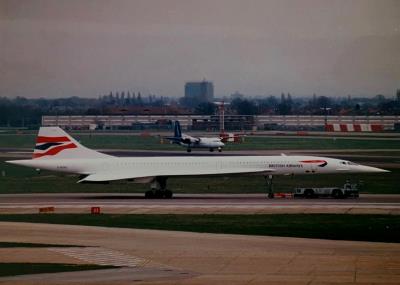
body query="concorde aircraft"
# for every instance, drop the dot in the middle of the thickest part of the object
(194, 142)
(55, 150)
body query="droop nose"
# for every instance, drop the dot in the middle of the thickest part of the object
(371, 169)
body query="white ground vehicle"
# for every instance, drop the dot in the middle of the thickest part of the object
(348, 190)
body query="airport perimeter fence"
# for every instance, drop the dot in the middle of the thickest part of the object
(232, 122)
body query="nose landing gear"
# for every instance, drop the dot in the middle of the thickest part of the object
(268, 180)
(158, 189)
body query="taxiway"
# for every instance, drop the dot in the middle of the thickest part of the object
(196, 204)
(165, 257)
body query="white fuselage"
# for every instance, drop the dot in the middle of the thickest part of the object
(55, 150)
(202, 142)
(116, 167)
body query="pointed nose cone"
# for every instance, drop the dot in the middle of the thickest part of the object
(17, 162)
(372, 169)
(23, 162)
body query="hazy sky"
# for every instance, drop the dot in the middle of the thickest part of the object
(56, 48)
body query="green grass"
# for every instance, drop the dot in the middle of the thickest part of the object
(12, 269)
(376, 228)
(27, 244)
(256, 143)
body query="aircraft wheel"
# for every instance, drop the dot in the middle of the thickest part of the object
(211, 149)
(159, 194)
(309, 193)
(337, 194)
(149, 194)
(219, 149)
(167, 194)
(188, 150)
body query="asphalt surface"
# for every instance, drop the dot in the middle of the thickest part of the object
(167, 257)
(197, 204)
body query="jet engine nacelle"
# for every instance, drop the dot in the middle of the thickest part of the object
(189, 140)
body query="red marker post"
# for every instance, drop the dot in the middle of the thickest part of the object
(95, 210)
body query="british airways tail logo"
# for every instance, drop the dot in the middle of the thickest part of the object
(320, 163)
(51, 145)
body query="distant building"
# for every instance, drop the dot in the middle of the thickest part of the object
(146, 110)
(232, 122)
(198, 92)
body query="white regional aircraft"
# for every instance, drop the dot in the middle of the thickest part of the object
(192, 142)
(57, 151)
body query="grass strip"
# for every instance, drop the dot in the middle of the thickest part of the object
(12, 269)
(374, 228)
(25, 244)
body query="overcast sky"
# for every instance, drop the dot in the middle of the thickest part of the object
(57, 48)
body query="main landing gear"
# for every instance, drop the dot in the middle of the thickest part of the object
(158, 189)
(268, 180)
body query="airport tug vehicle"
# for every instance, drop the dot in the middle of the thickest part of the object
(348, 190)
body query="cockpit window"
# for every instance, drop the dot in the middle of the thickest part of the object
(348, 163)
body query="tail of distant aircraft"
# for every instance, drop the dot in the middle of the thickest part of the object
(177, 138)
(54, 143)
(177, 130)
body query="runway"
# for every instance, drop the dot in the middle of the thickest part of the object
(167, 257)
(196, 204)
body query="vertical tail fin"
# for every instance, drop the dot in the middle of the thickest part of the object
(177, 130)
(53, 142)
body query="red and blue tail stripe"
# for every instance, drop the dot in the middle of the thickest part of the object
(51, 145)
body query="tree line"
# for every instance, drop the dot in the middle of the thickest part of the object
(24, 112)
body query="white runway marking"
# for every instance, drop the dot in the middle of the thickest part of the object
(100, 256)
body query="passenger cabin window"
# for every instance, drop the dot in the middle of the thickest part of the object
(348, 163)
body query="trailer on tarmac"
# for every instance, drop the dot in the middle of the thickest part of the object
(348, 190)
